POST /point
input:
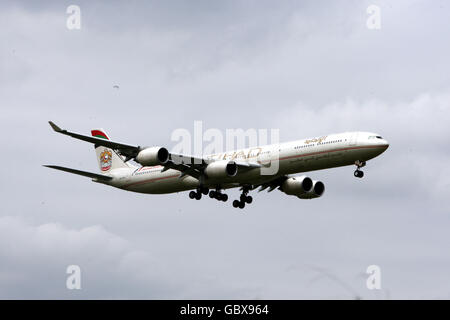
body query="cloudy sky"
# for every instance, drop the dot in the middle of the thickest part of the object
(305, 68)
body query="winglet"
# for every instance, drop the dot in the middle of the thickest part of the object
(55, 127)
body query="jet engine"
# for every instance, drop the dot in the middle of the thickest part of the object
(297, 186)
(221, 169)
(316, 191)
(153, 156)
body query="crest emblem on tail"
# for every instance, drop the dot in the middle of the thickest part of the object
(106, 160)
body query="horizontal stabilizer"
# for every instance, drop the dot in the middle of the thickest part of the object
(99, 177)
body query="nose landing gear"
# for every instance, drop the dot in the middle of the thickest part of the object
(359, 173)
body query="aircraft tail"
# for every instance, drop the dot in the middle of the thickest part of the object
(107, 158)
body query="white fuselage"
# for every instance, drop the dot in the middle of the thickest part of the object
(298, 156)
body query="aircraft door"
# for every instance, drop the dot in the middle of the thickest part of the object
(353, 139)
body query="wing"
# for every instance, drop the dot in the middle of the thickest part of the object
(272, 184)
(124, 149)
(194, 166)
(96, 176)
(188, 165)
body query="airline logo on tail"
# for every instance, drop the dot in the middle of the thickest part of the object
(106, 160)
(106, 154)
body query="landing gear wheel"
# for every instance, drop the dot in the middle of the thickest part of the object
(359, 174)
(205, 191)
(241, 205)
(236, 203)
(212, 194)
(198, 195)
(249, 199)
(224, 197)
(192, 194)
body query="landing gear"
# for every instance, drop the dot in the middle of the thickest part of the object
(238, 204)
(244, 198)
(216, 194)
(195, 195)
(359, 173)
(198, 194)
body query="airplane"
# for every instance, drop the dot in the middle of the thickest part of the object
(162, 172)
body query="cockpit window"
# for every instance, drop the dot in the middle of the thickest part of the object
(379, 137)
(375, 137)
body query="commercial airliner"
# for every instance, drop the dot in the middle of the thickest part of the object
(163, 172)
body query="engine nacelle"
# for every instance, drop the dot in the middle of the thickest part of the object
(153, 156)
(316, 191)
(221, 169)
(297, 186)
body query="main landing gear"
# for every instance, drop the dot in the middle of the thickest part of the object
(213, 194)
(197, 195)
(243, 200)
(216, 194)
(358, 173)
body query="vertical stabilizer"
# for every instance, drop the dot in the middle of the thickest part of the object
(107, 158)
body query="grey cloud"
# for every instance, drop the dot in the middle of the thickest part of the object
(305, 68)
